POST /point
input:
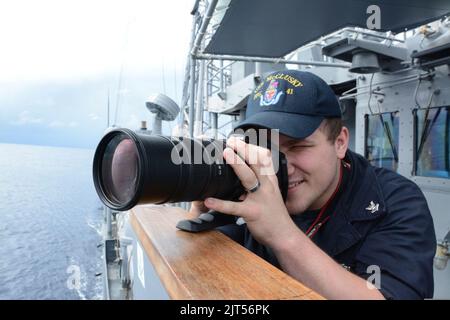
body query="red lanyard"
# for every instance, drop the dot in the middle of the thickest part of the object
(315, 226)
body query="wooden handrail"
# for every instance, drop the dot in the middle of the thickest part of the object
(207, 265)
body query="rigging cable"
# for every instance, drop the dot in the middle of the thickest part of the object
(119, 85)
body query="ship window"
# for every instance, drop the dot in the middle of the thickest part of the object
(432, 147)
(382, 139)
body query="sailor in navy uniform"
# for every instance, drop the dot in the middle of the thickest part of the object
(347, 230)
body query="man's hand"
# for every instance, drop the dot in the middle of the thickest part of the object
(264, 210)
(197, 208)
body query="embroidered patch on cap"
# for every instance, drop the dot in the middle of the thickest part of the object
(272, 95)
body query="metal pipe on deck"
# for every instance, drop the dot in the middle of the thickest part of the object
(205, 22)
(108, 216)
(213, 124)
(203, 56)
(198, 125)
(192, 97)
(197, 43)
(187, 74)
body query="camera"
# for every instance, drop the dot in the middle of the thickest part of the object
(132, 168)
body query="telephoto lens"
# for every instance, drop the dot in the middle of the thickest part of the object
(132, 168)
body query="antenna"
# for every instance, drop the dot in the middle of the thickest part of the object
(119, 85)
(164, 108)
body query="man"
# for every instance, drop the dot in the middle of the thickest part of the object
(347, 230)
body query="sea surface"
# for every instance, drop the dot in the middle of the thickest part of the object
(50, 222)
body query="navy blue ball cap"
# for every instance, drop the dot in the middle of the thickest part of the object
(295, 102)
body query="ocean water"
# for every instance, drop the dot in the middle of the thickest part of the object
(50, 222)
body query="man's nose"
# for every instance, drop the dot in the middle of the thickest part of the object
(290, 167)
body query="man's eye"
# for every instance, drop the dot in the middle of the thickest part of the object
(300, 147)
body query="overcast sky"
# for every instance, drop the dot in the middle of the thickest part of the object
(67, 38)
(58, 59)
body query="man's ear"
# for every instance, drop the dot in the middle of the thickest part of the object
(341, 143)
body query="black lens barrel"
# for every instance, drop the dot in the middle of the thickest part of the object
(168, 169)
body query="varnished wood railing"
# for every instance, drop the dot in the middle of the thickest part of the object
(207, 265)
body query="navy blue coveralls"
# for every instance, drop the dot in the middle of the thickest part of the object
(377, 218)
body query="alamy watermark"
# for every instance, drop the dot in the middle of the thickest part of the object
(74, 280)
(262, 144)
(374, 20)
(374, 280)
